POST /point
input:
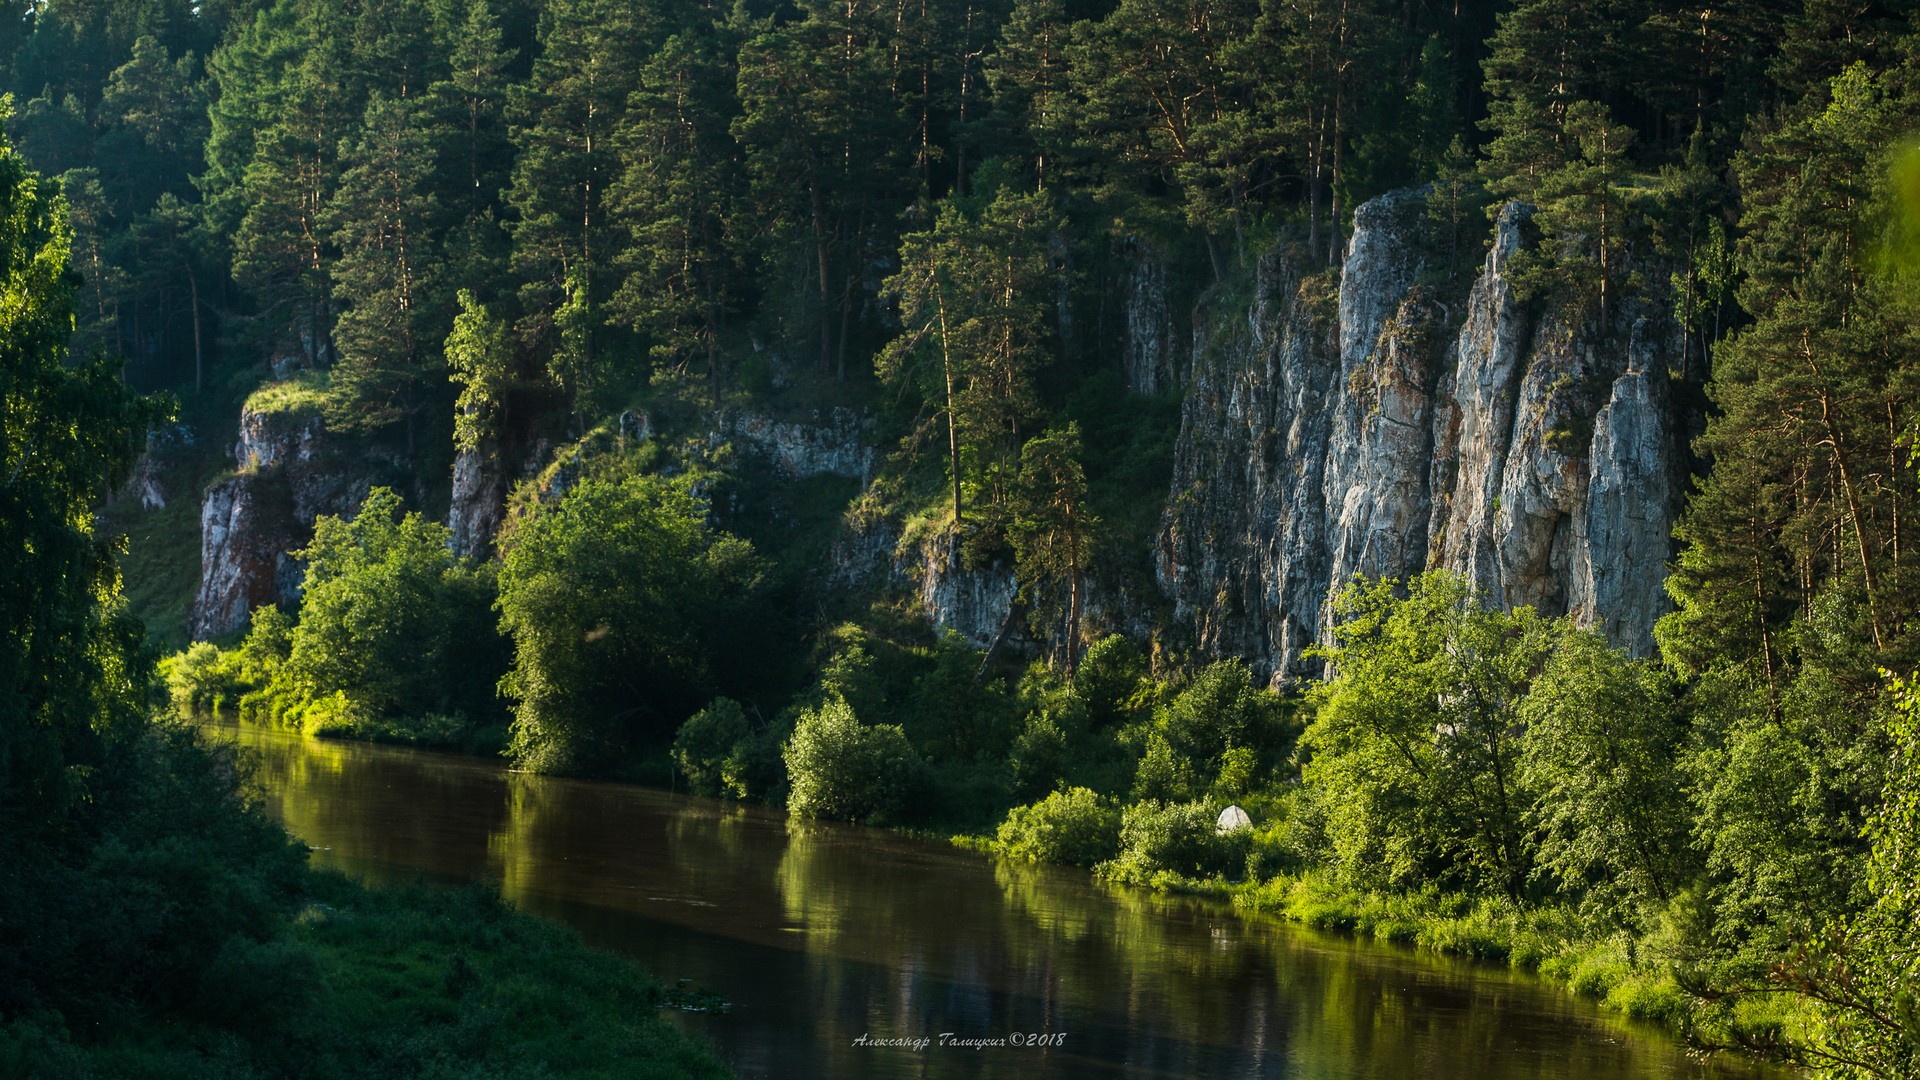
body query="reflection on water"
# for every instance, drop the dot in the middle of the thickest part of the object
(820, 935)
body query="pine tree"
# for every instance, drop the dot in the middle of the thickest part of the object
(1156, 106)
(972, 295)
(155, 114)
(1581, 208)
(170, 270)
(567, 122)
(381, 220)
(282, 250)
(824, 142)
(1811, 493)
(472, 100)
(1053, 533)
(1546, 56)
(1320, 52)
(103, 281)
(1027, 72)
(674, 201)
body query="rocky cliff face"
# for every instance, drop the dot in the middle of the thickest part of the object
(1377, 425)
(1149, 346)
(972, 602)
(478, 501)
(252, 520)
(833, 444)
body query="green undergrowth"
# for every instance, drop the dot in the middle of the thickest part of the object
(413, 982)
(160, 563)
(435, 731)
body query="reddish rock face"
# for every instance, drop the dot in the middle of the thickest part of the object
(251, 522)
(244, 537)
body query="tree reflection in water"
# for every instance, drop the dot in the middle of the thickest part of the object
(820, 934)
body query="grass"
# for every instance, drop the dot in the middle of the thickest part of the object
(160, 567)
(305, 392)
(415, 982)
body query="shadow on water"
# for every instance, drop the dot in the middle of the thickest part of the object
(825, 940)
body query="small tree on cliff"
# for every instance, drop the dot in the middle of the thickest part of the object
(1053, 532)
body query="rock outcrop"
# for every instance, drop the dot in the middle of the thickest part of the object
(833, 444)
(1377, 424)
(244, 542)
(478, 502)
(974, 602)
(146, 483)
(1148, 347)
(251, 521)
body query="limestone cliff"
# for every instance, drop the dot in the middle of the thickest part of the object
(1377, 423)
(251, 521)
(478, 501)
(833, 444)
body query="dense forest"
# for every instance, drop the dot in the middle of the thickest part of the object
(571, 247)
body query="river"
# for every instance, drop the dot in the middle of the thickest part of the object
(833, 944)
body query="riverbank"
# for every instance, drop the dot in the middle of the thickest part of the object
(1615, 969)
(415, 981)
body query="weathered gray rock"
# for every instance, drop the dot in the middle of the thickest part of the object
(971, 602)
(1243, 551)
(834, 444)
(242, 540)
(1149, 345)
(1633, 482)
(478, 502)
(146, 484)
(147, 481)
(1400, 428)
(1391, 334)
(251, 521)
(1475, 421)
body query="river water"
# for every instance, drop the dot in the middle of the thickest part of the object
(829, 943)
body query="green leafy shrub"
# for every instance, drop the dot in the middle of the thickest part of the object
(841, 768)
(202, 679)
(1039, 757)
(1073, 826)
(1160, 839)
(1219, 736)
(754, 769)
(627, 612)
(392, 625)
(1112, 683)
(720, 752)
(952, 713)
(258, 985)
(706, 742)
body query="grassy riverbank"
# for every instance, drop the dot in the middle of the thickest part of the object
(414, 982)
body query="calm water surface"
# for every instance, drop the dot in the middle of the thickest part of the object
(821, 935)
